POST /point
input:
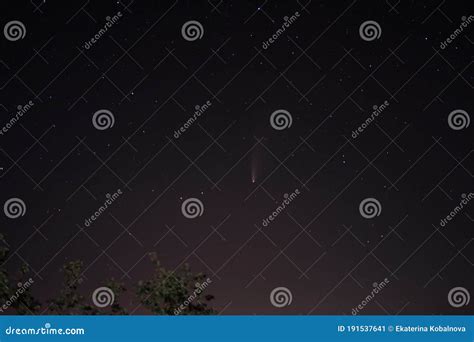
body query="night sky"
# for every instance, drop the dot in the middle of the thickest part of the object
(320, 73)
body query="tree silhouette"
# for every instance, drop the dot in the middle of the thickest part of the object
(165, 293)
(168, 292)
(13, 293)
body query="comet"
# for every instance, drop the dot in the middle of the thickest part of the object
(254, 165)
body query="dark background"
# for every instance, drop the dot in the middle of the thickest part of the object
(321, 71)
